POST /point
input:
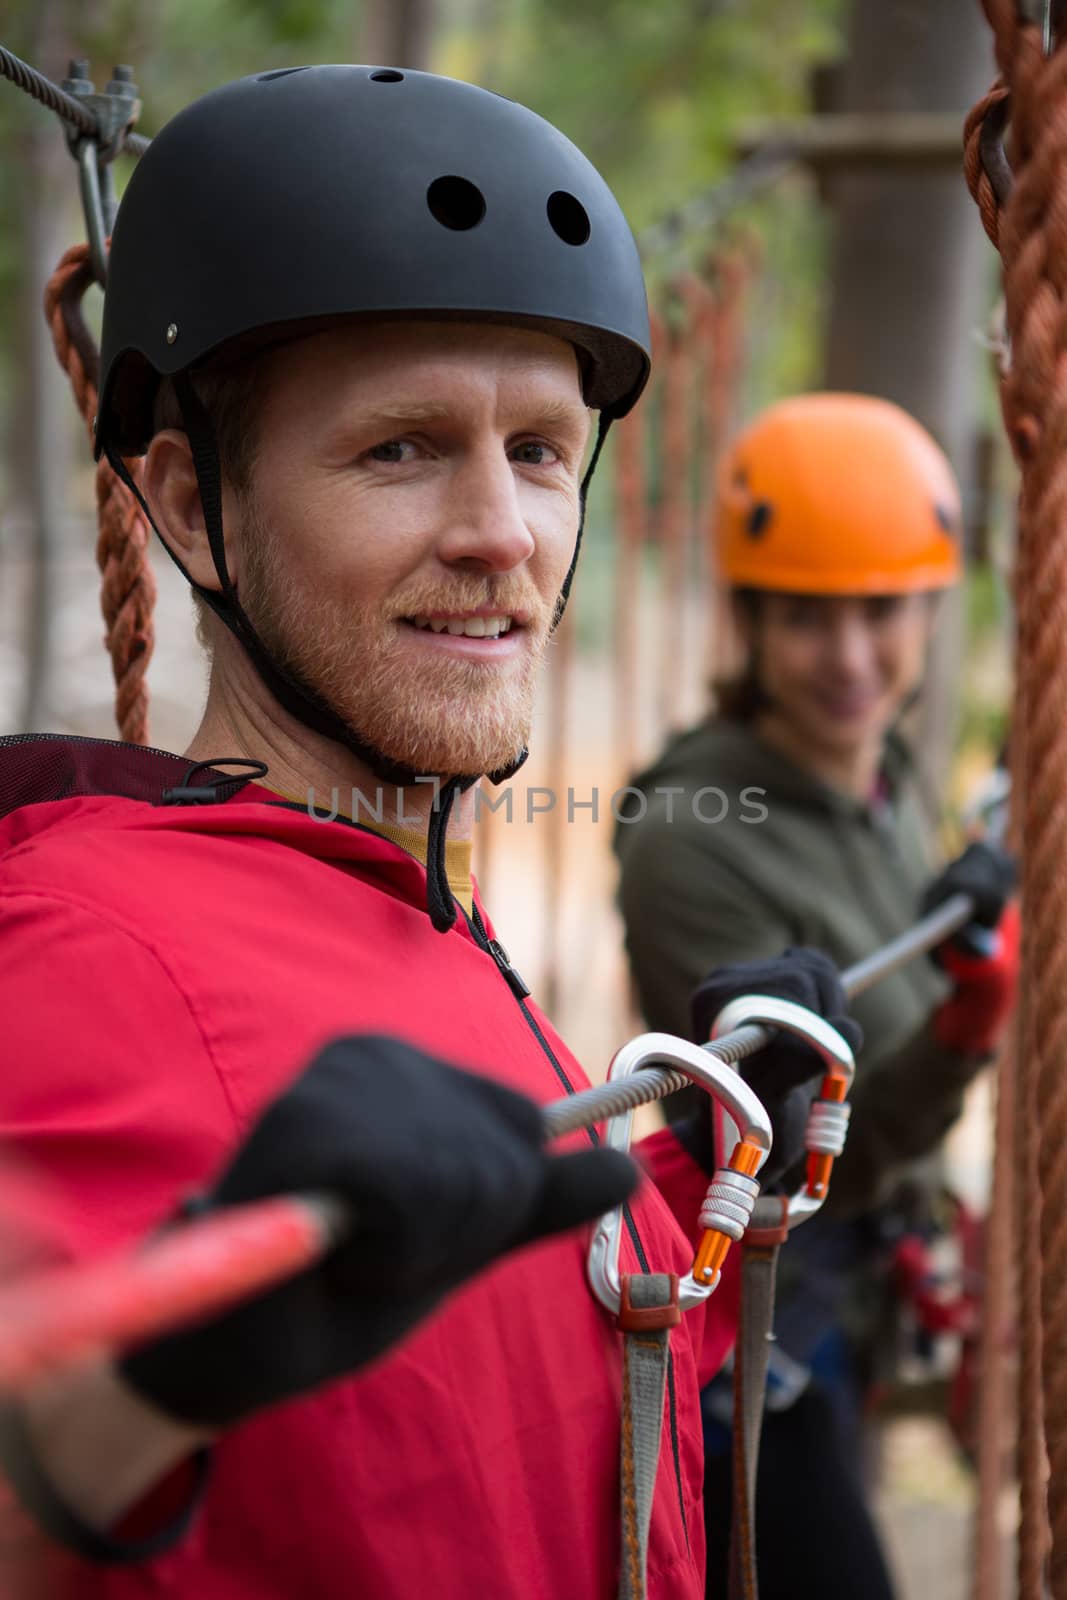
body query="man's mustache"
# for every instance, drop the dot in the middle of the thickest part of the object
(456, 601)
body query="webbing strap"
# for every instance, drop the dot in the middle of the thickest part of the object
(644, 1377)
(759, 1266)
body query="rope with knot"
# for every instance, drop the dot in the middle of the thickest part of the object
(128, 586)
(1023, 204)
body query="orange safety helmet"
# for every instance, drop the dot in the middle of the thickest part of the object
(837, 494)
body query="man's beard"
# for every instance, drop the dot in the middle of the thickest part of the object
(447, 716)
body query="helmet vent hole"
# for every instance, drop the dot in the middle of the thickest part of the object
(282, 72)
(568, 217)
(387, 77)
(456, 203)
(759, 519)
(944, 518)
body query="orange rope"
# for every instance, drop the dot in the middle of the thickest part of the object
(729, 271)
(676, 437)
(128, 587)
(995, 1338)
(701, 311)
(1029, 227)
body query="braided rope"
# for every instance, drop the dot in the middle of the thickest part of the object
(731, 272)
(128, 588)
(1028, 223)
(673, 521)
(995, 1339)
(1034, 1531)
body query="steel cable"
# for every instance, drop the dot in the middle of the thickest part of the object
(67, 106)
(611, 1099)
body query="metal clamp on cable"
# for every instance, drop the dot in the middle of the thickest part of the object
(731, 1194)
(828, 1119)
(116, 111)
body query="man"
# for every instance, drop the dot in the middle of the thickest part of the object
(355, 321)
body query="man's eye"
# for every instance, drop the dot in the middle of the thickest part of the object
(533, 454)
(391, 450)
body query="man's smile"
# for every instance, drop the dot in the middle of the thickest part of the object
(495, 635)
(472, 625)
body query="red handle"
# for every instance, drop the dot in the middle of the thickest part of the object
(56, 1318)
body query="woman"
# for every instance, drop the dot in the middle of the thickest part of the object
(794, 816)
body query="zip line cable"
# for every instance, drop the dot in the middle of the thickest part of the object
(654, 1083)
(708, 209)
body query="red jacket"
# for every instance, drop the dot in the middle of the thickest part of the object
(165, 972)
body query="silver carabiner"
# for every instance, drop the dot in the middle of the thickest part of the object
(733, 1209)
(827, 1127)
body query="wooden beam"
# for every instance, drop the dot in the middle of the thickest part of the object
(852, 138)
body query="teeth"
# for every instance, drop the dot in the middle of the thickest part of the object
(471, 627)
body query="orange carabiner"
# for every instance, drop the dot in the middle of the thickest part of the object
(828, 1119)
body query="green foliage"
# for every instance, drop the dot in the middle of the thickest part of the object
(987, 604)
(652, 93)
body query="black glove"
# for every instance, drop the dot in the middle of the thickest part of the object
(444, 1172)
(987, 874)
(787, 1074)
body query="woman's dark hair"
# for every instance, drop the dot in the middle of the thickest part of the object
(740, 697)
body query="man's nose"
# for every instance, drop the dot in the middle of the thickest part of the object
(484, 526)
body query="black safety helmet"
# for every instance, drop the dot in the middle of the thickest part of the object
(280, 202)
(319, 192)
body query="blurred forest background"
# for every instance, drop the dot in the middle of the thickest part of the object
(792, 171)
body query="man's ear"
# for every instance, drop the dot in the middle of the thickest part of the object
(173, 494)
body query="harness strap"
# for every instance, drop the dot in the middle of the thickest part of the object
(759, 1267)
(648, 1309)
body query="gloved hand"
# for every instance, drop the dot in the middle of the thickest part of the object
(986, 873)
(444, 1172)
(982, 959)
(973, 1018)
(788, 1073)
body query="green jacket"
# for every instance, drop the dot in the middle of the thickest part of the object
(750, 854)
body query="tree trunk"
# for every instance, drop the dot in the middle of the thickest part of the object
(399, 33)
(909, 261)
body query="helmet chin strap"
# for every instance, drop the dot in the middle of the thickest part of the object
(301, 701)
